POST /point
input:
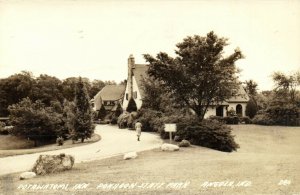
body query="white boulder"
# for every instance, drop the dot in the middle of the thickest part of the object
(130, 155)
(169, 147)
(27, 175)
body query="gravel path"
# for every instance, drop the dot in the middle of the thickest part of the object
(113, 142)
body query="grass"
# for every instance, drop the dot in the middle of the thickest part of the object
(266, 156)
(8, 142)
(10, 145)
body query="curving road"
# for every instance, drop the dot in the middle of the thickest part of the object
(113, 142)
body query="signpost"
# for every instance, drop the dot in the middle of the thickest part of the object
(171, 127)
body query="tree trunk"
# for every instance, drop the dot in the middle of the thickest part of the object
(199, 112)
(82, 139)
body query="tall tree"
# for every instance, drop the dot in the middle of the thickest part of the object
(124, 82)
(69, 86)
(110, 82)
(287, 86)
(156, 97)
(283, 103)
(14, 88)
(199, 75)
(251, 88)
(83, 125)
(47, 88)
(69, 117)
(96, 86)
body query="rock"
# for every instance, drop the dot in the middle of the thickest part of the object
(53, 163)
(184, 143)
(27, 175)
(169, 147)
(130, 155)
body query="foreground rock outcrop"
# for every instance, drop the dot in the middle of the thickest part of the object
(53, 163)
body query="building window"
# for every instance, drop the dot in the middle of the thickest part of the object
(126, 96)
(219, 111)
(135, 95)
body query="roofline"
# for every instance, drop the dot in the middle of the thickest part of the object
(112, 99)
(243, 101)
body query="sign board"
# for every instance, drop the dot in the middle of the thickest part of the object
(171, 127)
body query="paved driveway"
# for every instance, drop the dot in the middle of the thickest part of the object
(114, 142)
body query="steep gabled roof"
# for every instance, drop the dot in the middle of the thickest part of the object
(140, 72)
(241, 96)
(111, 93)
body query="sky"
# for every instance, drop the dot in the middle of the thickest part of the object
(94, 39)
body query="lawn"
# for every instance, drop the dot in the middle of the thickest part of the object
(12, 145)
(266, 163)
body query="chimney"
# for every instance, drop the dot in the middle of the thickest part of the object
(131, 66)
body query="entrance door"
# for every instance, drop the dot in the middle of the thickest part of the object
(239, 110)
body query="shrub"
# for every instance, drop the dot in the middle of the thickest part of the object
(251, 108)
(232, 120)
(177, 138)
(35, 121)
(218, 118)
(263, 119)
(231, 112)
(122, 120)
(114, 120)
(127, 120)
(285, 114)
(102, 113)
(3, 131)
(104, 122)
(209, 133)
(149, 119)
(184, 143)
(155, 120)
(131, 120)
(181, 120)
(94, 115)
(60, 141)
(118, 111)
(245, 120)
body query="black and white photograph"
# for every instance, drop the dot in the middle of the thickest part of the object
(133, 97)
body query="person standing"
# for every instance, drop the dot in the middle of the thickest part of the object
(138, 129)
